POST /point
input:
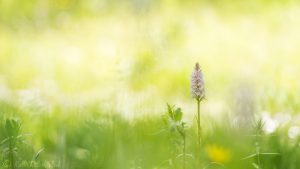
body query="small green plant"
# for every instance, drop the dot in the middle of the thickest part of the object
(13, 139)
(173, 119)
(258, 135)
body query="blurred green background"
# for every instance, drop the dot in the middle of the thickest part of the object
(125, 53)
(82, 74)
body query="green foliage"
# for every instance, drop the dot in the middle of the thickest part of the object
(173, 119)
(11, 143)
(258, 136)
(94, 139)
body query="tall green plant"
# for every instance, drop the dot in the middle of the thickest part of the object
(198, 93)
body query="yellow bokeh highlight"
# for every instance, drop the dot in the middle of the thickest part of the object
(218, 154)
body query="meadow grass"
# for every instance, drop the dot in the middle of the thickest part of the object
(93, 139)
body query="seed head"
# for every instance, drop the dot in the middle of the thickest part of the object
(197, 83)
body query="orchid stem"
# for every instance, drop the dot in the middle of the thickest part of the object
(199, 123)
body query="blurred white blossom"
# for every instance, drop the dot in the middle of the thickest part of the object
(294, 132)
(270, 125)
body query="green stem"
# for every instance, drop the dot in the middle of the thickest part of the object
(199, 123)
(184, 152)
(11, 153)
(258, 161)
(182, 133)
(258, 155)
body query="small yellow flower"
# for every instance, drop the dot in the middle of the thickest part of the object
(218, 153)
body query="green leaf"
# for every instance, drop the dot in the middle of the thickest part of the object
(12, 127)
(255, 166)
(178, 114)
(170, 111)
(250, 156)
(269, 153)
(4, 141)
(38, 154)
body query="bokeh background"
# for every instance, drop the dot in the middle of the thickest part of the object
(133, 55)
(64, 59)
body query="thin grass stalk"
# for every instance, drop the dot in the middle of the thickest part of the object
(184, 151)
(11, 153)
(258, 155)
(184, 145)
